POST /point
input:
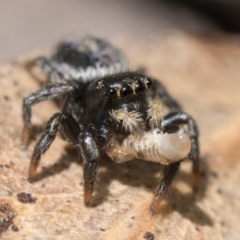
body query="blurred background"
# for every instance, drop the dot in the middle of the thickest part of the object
(26, 25)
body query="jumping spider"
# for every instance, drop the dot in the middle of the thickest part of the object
(110, 109)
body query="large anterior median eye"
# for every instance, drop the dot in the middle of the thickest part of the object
(101, 139)
(126, 91)
(112, 92)
(140, 87)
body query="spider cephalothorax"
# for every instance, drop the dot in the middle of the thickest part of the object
(109, 108)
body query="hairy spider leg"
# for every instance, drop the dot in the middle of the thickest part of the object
(88, 149)
(177, 118)
(167, 176)
(84, 139)
(44, 143)
(49, 92)
(71, 130)
(54, 75)
(90, 156)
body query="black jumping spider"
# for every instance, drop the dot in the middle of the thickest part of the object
(109, 108)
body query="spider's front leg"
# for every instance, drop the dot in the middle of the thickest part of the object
(178, 118)
(168, 175)
(54, 76)
(169, 172)
(46, 93)
(90, 157)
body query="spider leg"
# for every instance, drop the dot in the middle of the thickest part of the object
(48, 92)
(54, 75)
(90, 156)
(73, 105)
(44, 143)
(169, 173)
(71, 130)
(177, 118)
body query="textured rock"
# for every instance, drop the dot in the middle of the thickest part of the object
(203, 73)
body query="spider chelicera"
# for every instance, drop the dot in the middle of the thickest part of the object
(108, 108)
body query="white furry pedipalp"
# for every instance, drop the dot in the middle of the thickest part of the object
(131, 120)
(154, 146)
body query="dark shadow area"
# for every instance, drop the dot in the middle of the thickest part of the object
(226, 14)
(63, 164)
(138, 173)
(186, 204)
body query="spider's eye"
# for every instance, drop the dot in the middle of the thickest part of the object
(101, 139)
(112, 92)
(126, 91)
(149, 82)
(140, 87)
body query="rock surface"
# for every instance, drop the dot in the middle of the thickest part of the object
(203, 73)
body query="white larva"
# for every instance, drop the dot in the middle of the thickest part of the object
(154, 146)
